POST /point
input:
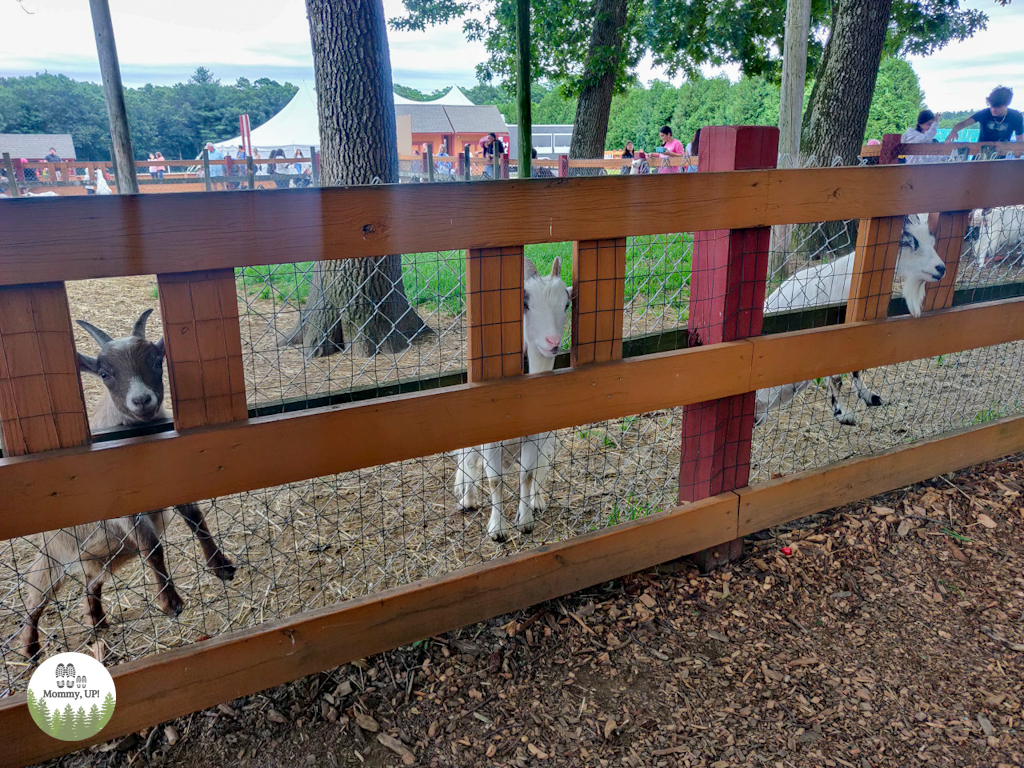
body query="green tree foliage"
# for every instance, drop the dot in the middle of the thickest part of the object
(175, 119)
(897, 99)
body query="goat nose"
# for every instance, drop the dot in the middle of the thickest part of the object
(940, 270)
(554, 341)
(142, 400)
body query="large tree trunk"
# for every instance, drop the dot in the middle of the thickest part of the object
(590, 126)
(837, 114)
(841, 99)
(361, 301)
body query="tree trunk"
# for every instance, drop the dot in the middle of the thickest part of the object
(590, 126)
(362, 301)
(113, 92)
(841, 99)
(837, 114)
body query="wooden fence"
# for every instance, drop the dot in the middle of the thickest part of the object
(53, 476)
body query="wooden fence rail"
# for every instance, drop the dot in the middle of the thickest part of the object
(216, 450)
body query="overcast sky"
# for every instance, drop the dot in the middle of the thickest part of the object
(163, 43)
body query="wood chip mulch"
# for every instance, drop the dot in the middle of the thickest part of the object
(891, 634)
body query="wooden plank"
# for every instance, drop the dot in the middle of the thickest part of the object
(874, 266)
(109, 236)
(74, 486)
(494, 312)
(949, 244)
(787, 357)
(973, 148)
(795, 496)
(599, 285)
(204, 347)
(188, 679)
(41, 402)
(71, 487)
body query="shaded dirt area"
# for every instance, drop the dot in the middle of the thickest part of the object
(890, 635)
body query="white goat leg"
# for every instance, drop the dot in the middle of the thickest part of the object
(467, 475)
(864, 392)
(546, 443)
(843, 416)
(497, 528)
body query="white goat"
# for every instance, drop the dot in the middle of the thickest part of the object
(1000, 231)
(546, 303)
(917, 264)
(102, 188)
(132, 370)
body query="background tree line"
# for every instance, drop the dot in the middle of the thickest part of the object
(175, 119)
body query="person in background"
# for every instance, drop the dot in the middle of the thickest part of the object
(299, 166)
(539, 172)
(215, 154)
(441, 166)
(998, 122)
(672, 146)
(693, 152)
(627, 154)
(257, 168)
(52, 157)
(491, 144)
(152, 165)
(922, 133)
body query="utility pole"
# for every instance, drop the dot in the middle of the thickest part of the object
(791, 107)
(523, 87)
(794, 79)
(120, 137)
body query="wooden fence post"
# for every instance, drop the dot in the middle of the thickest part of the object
(41, 403)
(204, 347)
(467, 165)
(726, 303)
(599, 283)
(563, 166)
(874, 265)
(12, 177)
(949, 244)
(889, 152)
(494, 312)
(429, 160)
(206, 169)
(314, 166)
(250, 171)
(495, 166)
(117, 180)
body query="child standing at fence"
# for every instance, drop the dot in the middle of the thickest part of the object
(922, 133)
(673, 148)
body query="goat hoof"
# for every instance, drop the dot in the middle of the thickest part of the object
(499, 537)
(171, 604)
(225, 571)
(100, 623)
(466, 509)
(847, 420)
(30, 649)
(875, 401)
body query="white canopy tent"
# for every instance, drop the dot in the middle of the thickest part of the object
(297, 126)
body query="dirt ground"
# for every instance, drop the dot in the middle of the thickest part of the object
(890, 635)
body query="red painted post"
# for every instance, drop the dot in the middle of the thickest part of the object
(727, 288)
(504, 165)
(563, 166)
(889, 152)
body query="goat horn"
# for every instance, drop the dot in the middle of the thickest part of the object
(530, 268)
(100, 336)
(139, 328)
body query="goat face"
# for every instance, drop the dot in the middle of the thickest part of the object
(132, 369)
(918, 263)
(546, 304)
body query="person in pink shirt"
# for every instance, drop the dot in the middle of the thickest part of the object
(673, 148)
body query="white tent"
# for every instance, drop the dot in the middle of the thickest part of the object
(297, 126)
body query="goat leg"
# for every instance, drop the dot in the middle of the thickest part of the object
(150, 547)
(864, 392)
(216, 561)
(467, 474)
(497, 527)
(842, 415)
(43, 579)
(94, 600)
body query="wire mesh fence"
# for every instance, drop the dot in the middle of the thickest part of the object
(305, 337)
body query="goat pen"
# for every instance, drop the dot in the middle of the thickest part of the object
(53, 475)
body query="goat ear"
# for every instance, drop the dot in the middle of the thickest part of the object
(529, 268)
(101, 337)
(86, 363)
(139, 329)
(556, 267)
(160, 346)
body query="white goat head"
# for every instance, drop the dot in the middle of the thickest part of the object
(918, 263)
(132, 369)
(546, 304)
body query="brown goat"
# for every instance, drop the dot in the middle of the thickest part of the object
(132, 371)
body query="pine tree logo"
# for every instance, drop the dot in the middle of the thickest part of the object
(71, 697)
